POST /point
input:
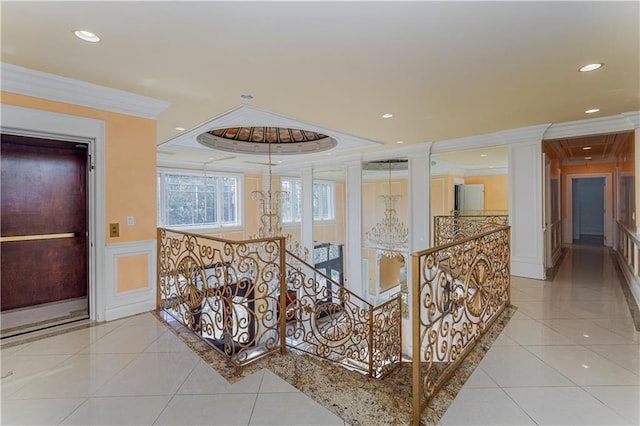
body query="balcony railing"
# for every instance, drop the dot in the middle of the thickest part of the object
(451, 228)
(327, 320)
(459, 289)
(250, 298)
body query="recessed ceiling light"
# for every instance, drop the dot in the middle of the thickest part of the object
(591, 111)
(590, 67)
(399, 141)
(86, 36)
(585, 366)
(246, 96)
(387, 115)
(180, 129)
(586, 148)
(588, 158)
(483, 155)
(491, 167)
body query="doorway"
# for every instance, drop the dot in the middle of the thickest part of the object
(44, 246)
(588, 210)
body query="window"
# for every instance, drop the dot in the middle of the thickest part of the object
(323, 200)
(196, 200)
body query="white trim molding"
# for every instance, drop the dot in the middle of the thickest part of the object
(594, 126)
(37, 123)
(122, 304)
(246, 115)
(28, 82)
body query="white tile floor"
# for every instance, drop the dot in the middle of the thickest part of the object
(570, 355)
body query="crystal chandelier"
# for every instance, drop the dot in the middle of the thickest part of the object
(391, 236)
(269, 203)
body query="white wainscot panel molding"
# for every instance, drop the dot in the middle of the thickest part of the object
(525, 210)
(127, 303)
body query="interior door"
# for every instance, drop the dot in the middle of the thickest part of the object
(472, 199)
(44, 252)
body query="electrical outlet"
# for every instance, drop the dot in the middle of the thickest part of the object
(114, 229)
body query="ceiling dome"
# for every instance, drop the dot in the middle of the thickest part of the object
(257, 139)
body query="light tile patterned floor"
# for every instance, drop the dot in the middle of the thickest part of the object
(570, 355)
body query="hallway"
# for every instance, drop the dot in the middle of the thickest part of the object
(570, 355)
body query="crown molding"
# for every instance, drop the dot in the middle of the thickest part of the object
(28, 82)
(247, 116)
(503, 137)
(487, 172)
(594, 126)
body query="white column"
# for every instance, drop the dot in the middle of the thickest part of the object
(419, 208)
(419, 201)
(306, 226)
(525, 209)
(353, 276)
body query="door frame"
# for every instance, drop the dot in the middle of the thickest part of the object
(50, 125)
(608, 206)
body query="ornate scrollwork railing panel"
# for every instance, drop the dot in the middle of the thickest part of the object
(460, 289)
(387, 339)
(225, 291)
(327, 320)
(448, 229)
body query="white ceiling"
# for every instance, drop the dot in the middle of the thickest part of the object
(444, 69)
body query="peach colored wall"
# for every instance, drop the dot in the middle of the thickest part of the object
(629, 202)
(496, 190)
(132, 272)
(130, 161)
(130, 165)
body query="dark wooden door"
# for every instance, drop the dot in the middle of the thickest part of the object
(43, 221)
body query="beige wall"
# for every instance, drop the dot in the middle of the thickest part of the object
(496, 190)
(130, 151)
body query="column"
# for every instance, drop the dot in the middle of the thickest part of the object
(306, 225)
(353, 276)
(419, 207)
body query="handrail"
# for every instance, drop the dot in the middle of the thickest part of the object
(459, 289)
(630, 232)
(460, 241)
(235, 295)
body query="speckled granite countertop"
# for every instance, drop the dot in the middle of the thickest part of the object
(356, 398)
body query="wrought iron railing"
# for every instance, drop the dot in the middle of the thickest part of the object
(327, 320)
(447, 229)
(458, 289)
(251, 298)
(225, 291)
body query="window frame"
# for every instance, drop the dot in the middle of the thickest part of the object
(331, 204)
(161, 191)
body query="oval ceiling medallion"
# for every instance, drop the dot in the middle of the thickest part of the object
(256, 140)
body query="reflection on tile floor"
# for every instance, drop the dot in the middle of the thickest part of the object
(570, 355)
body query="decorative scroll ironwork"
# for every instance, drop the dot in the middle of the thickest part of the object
(327, 320)
(250, 298)
(452, 228)
(225, 291)
(460, 288)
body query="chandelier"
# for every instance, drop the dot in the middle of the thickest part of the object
(269, 203)
(391, 236)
